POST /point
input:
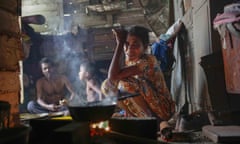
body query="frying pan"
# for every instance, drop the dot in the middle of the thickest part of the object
(93, 112)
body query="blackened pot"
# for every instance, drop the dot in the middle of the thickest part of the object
(91, 113)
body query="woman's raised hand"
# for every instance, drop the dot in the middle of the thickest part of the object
(120, 35)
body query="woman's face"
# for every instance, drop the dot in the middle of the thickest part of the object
(133, 48)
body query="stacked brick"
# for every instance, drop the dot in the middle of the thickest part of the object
(10, 55)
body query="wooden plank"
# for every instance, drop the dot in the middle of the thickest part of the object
(35, 2)
(130, 17)
(40, 8)
(104, 37)
(188, 19)
(89, 21)
(81, 1)
(197, 4)
(201, 38)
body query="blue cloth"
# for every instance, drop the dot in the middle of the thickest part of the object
(159, 50)
(34, 107)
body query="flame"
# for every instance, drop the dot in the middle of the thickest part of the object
(99, 128)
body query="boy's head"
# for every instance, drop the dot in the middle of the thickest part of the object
(86, 70)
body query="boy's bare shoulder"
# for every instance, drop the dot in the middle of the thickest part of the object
(40, 80)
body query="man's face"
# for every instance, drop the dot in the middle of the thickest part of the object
(47, 70)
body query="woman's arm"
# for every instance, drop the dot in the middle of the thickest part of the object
(178, 28)
(114, 69)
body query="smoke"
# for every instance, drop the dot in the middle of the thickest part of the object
(67, 53)
(77, 102)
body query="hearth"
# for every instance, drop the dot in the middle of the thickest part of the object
(112, 131)
(93, 123)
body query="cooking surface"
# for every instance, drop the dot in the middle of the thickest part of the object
(29, 116)
(64, 130)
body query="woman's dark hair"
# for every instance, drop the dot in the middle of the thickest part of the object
(141, 32)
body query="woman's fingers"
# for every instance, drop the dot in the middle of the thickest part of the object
(120, 34)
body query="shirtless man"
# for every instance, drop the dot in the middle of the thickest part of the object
(50, 90)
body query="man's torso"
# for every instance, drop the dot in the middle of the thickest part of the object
(52, 90)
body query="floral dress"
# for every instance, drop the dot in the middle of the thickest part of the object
(154, 99)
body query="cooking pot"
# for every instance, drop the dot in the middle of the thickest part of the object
(96, 111)
(91, 113)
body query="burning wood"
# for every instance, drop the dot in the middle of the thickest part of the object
(98, 129)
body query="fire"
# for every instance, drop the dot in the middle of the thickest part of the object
(98, 129)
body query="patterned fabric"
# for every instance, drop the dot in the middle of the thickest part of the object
(154, 99)
(108, 88)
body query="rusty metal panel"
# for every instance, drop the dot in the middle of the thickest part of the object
(231, 57)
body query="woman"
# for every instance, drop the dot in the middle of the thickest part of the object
(140, 73)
